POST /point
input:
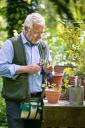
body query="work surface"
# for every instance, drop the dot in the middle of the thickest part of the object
(62, 114)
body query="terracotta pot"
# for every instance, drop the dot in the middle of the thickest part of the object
(52, 95)
(71, 80)
(58, 69)
(57, 79)
(83, 81)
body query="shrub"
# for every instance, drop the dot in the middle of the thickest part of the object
(3, 120)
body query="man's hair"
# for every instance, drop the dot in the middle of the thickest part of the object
(33, 18)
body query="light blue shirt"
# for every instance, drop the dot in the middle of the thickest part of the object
(8, 69)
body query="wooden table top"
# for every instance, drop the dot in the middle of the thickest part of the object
(62, 114)
(62, 103)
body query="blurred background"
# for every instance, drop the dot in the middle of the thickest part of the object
(65, 32)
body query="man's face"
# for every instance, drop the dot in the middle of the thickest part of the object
(34, 34)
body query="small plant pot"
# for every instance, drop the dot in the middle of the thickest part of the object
(57, 79)
(83, 81)
(52, 95)
(71, 80)
(58, 68)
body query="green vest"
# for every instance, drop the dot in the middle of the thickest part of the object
(18, 89)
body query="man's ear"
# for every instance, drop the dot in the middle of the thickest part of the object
(26, 29)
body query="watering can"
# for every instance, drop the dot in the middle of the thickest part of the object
(76, 93)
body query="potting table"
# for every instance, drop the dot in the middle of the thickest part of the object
(62, 114)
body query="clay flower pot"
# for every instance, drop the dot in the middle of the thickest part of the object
(71, 80)
(59, 69)
(83, 81)
(57, 79)
(52, 95)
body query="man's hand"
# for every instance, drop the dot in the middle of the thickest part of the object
(31, 69)
(48, 69)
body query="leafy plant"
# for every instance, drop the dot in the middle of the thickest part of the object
(53, 87)
(75, 52)
(3, 120)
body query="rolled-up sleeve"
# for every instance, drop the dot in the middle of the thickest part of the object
(7, 69)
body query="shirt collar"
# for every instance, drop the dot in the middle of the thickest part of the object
(24, 39)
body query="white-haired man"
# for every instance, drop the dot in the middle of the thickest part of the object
(20, 59)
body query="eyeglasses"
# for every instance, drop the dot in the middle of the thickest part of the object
(38, 33)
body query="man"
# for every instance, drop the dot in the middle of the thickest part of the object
(21, 58)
